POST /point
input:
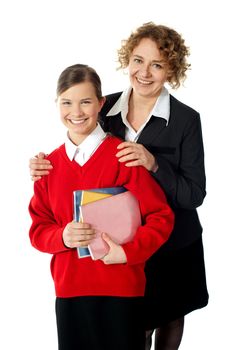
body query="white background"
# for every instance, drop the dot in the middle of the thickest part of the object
(38, 40)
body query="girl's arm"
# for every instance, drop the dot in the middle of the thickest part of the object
(46, 234)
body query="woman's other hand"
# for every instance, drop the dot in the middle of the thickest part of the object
(39, 166)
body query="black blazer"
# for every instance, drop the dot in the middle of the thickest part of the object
(178, 149)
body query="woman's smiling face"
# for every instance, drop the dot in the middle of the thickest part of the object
(148, 70)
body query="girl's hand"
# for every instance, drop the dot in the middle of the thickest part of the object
(135, 154)
(39, 166)
(116, 254)
(77, 234)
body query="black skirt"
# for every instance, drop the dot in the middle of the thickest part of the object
(100, 323)
(176, 284)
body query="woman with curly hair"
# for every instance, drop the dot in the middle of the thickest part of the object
(163, 135)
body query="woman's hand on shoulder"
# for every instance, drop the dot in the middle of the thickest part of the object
(116, 254)
(135, 154)
(39, 166)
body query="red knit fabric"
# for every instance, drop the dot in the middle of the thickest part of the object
(51, 208)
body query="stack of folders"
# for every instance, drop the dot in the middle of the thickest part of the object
(113, 210)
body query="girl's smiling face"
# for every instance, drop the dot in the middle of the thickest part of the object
(79, 108)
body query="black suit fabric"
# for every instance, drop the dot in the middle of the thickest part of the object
(178, 149)
(175, 274)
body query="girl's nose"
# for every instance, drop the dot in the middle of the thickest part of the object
(77, 111)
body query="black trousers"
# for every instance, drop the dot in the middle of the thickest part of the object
(100, 323)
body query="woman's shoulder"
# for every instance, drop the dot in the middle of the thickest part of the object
(181, 115)
(111, 99)
(180, 107)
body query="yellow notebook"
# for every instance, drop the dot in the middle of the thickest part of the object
(89, 196)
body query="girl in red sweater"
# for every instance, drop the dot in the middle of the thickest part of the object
(99, 304)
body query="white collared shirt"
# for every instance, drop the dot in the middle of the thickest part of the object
(84, 151)
(161, 109)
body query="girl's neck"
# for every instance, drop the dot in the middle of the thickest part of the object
(77, 138)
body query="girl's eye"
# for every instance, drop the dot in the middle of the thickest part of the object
(86, 102)
(66, 103)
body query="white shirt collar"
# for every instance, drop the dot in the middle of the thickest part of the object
(161, 108)
(87, 147)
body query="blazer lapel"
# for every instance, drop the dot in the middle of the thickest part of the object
(117, 127)
(149, 133)
(151, 130)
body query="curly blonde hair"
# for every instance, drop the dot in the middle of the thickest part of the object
(168, 41)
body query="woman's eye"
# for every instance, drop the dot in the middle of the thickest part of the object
(137, 60)
(157, 65)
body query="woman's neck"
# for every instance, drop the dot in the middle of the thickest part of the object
(139, 110)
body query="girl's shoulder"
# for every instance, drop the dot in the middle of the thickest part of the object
(56, 152)
(113, 140)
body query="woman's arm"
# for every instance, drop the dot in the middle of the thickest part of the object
(184, 185)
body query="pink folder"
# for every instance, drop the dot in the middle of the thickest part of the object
(119, 216)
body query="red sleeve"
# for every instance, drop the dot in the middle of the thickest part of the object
(157, 216)
(45, 232)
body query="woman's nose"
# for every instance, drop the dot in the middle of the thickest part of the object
(145, 70)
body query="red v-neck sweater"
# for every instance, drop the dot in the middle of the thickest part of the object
(51, 209)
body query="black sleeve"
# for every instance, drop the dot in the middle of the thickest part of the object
(185, 184)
